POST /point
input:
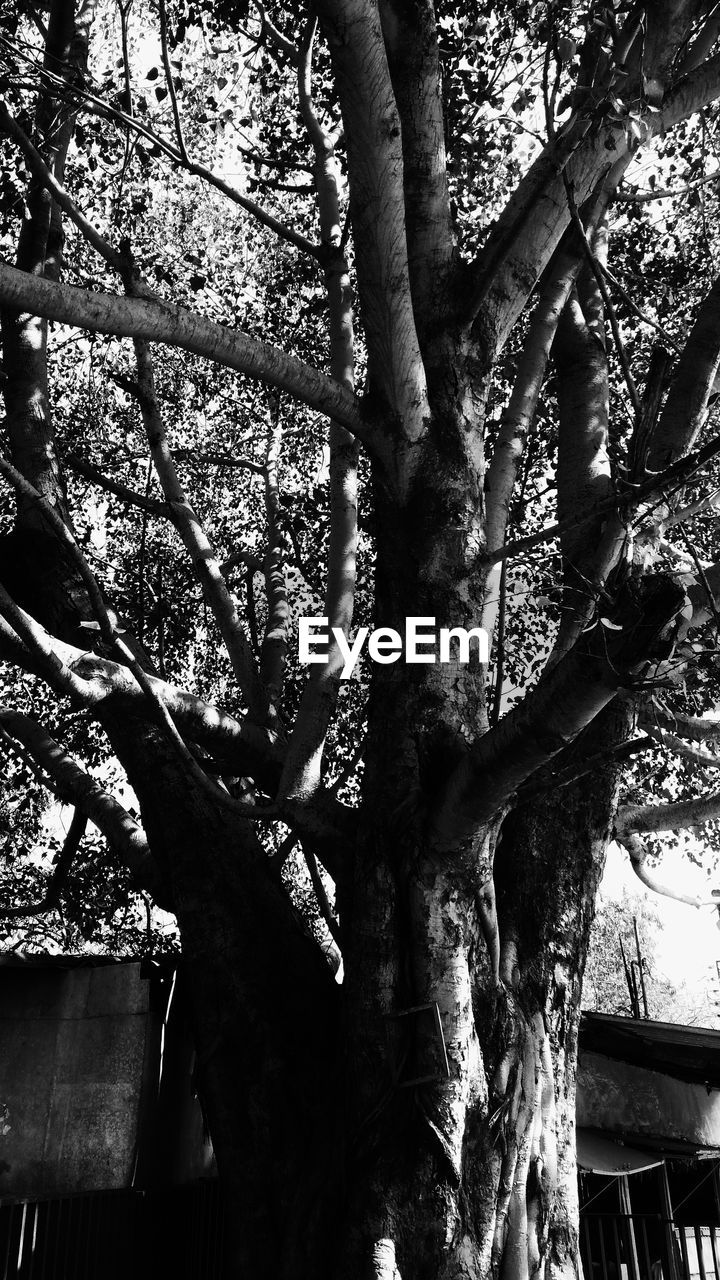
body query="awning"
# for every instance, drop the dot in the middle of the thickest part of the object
(597, 1153)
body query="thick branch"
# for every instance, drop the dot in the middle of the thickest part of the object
(112, 636)
(321, 895)
(567, 698)
(42, 172)
(528, 231)
(583, 471)
(410, 33)
(637, 818)
(596, 266)
(72, 785)
(638, 858)
(701, 45)
(681, 748)
(692, 727)
(692, 93)
(519, 416)
(167, 323)
(302, 773)
(240, 746)
(674, 476)
(375, 164)
(686, 405)
(19, 633)
(664, 193)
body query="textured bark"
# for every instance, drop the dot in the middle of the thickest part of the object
(24, 336)
(165, 322)
(264, 1008)
(415, 1123)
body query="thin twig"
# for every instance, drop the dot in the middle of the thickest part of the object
(61, 867)
(124, 15)
(277, 38)
(151, 506)
(637, 311)
(220, 460)
(321, 895)
(703, 579)
(102, 108)
(142, 559)
(192, 534)
(663, 193)
(678, 473)
(548, 98)
(169, 81)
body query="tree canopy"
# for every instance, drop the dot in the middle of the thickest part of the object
(367, 312)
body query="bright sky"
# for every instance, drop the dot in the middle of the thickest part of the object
(689, 944)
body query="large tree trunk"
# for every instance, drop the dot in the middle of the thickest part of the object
(345, 1149)
(471, 1174)
(463, 962)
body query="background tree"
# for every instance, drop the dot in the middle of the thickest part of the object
(530, 441)
(605, 985)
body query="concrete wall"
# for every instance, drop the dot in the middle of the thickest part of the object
(77, 1050)
(622, 1098)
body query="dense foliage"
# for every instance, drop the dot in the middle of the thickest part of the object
(382, 311)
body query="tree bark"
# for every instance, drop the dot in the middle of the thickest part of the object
(469, 1174)
(39, 253)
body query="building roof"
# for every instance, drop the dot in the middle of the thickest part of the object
(687, 1053)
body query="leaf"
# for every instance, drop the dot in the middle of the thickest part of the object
(152, 74)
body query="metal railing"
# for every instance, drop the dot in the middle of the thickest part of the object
(113, 1235)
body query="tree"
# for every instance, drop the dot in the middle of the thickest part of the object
(417, 1119)
(606, 988)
